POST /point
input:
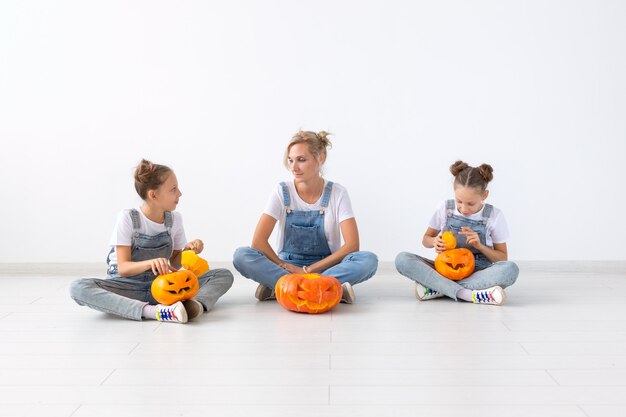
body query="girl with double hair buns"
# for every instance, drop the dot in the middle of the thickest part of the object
(311, 215)
(147, 242)
(477, 226)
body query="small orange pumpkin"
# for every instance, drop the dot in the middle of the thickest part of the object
(449, 239)
(177, 286)
(308, 293)
(455, 264)
(192, 262)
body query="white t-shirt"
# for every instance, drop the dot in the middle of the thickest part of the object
(339, 209)
(123, 232)
(497, 229)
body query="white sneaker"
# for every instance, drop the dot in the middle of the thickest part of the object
(264, 293)
(193, 308)
(175, 313)
(423, 293)
(347, 296)
(494, 295)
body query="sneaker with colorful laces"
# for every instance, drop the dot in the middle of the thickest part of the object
(423, 293)
(175, 313)
(264, 293)
(494, 295)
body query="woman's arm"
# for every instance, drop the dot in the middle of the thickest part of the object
(350, 233)
(260, 239)
(128, 268)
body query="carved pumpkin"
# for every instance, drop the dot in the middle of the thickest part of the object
(449, 239)
(308, 293)
(455, 264)
(177, 286)
(192, 262)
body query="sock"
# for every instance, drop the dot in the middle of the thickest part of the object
(465, 295)
(149, 312)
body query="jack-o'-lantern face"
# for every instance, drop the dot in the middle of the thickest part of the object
(308, 293)
(192, 262)
(177, 286)
(455, 264)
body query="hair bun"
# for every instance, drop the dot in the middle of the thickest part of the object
(323, 137)
(458, 167)
(486, 171)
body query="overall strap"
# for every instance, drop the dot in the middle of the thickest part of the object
(487, 212)
(134, 216)
(326, 196)
(449, 208)
(169, 221)
(286, 197)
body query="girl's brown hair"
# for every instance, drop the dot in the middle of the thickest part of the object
(149, 176)
(472, 177)
(316, 142)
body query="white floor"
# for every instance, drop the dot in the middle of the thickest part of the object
(557, 348)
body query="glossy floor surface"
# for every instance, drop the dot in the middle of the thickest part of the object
(556, 348)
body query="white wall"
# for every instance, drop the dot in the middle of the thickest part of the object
(215, 89)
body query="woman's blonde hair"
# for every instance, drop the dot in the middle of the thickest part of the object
(316, 142)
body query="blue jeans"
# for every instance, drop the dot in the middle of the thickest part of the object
(126, 297)
(253, 264)
(422, 270)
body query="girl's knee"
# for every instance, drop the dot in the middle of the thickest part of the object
(79, 287)
(509, 272)
(402, 259)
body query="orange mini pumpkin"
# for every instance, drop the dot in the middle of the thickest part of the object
(449, 239)
(308, 293)
(455, 264)
(192, 262)
(177, 286)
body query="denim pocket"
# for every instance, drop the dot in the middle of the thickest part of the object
(142, 254)
(302, 239)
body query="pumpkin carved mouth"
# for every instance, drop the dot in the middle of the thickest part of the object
(455, 267)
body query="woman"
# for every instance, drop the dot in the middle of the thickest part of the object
(313, 215)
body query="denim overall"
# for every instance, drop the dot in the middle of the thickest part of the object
(454, 223)
(304, 238)
(144, 247)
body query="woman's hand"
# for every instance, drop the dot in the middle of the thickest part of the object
(161, 266)
(291, 268)
(439, 244)
(471, 237)
(195, 245)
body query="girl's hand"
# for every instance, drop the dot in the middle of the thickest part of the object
(471, 237)
(195, 245)
(161, 266)
(439, 244)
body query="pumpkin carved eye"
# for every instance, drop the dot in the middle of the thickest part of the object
(308, 293)
(455, 264)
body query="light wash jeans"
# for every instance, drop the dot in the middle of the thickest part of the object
(253, 264)
(126, 297)
(422, 270)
